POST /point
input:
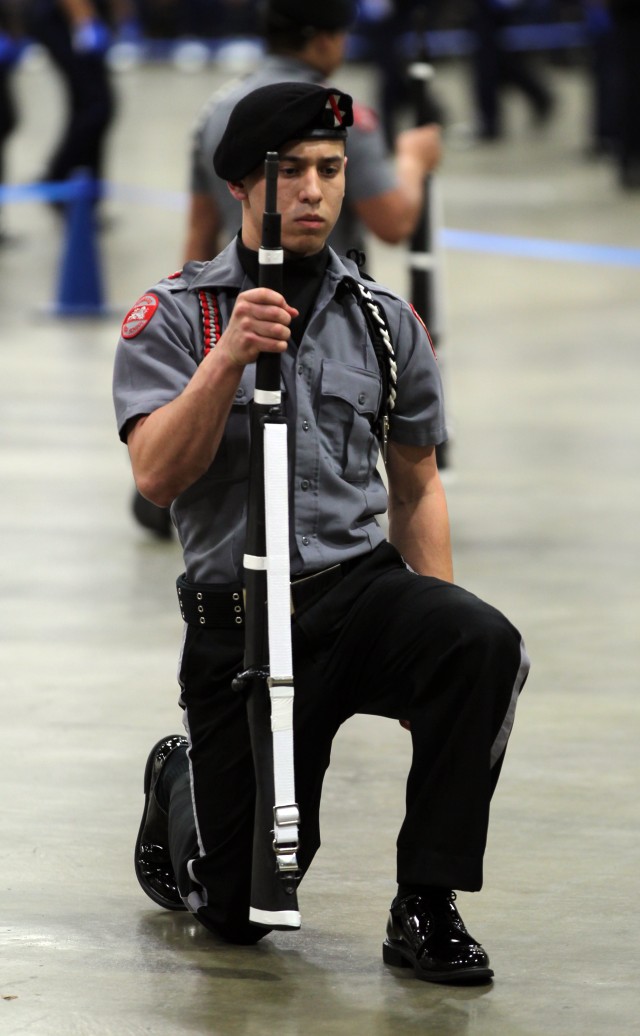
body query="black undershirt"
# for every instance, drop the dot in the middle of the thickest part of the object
(301, 280)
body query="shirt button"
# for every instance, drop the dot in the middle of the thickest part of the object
(240, 393)
(300, 369)
(305, 483)
(305, 541)
(361, 398)
(305, 426)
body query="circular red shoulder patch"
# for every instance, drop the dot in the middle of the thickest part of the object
(139, 315)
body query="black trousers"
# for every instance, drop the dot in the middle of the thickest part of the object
(627, 52)
(8, 113)
(494, 67)
(90, 99)
(384, 642)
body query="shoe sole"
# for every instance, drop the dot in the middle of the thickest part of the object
(155, 896)
(396, 958)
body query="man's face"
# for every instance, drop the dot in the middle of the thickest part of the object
(310, 193)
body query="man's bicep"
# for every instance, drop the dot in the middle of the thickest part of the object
(410, 469)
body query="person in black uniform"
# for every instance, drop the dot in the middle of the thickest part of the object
(76, 36)
(494, 67)
(369, 633)
(626, 19)
(10, 45)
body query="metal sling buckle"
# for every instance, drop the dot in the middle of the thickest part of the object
(286, 849)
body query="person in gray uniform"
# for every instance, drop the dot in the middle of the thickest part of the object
(378, 626)
(384, 194)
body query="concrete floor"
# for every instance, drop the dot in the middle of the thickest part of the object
(541, 364)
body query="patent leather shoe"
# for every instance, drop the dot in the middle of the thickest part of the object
(426, 933)
(153, 865)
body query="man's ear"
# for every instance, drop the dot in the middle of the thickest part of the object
(238, 190)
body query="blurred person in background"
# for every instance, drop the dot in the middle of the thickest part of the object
(307, 41)
(626, 21)
(494, 67)
(76, 35)
(603, 127)
(384, 26)
(11, 42)
(178, 18)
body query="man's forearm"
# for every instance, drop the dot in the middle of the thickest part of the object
(420, 531)
(173, 446)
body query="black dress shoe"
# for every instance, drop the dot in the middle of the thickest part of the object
(153, 865)
(426, 933)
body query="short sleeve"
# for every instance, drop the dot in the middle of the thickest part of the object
(155, 357)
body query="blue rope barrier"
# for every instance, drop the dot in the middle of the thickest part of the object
(63, 191)
(462, 42)
(80, 292)
(441, 43)
(541, 248)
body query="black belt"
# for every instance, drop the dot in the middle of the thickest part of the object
(219, 607)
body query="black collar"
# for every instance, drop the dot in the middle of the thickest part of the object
(293, 270)
(301, 280)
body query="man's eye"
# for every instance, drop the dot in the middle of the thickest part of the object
(288, 170)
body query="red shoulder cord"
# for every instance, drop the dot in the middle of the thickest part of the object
(211, 323)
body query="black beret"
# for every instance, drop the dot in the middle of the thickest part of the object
(329, 15)
(267, 118)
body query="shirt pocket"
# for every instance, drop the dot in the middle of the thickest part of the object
(350, 398)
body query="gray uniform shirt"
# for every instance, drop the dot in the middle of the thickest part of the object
(331, 391)
(370, 168)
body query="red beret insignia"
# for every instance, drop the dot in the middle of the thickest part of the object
(139, 315)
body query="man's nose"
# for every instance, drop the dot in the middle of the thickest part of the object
(310, 188)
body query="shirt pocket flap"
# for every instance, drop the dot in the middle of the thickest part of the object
(356, 386)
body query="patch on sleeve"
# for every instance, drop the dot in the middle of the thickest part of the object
(426, 329)
(364, 118)
(139, 315)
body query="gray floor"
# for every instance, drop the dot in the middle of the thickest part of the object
(541, 364)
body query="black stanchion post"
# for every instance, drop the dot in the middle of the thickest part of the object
(80, 283)
(425, 264)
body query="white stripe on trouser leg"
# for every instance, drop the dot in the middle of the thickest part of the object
(501, 740)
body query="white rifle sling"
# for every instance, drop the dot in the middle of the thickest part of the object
(276, 487)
